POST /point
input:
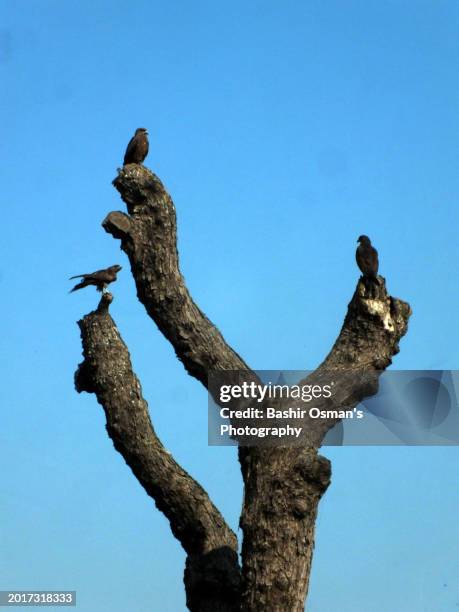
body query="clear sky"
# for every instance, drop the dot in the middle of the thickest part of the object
(283, 131)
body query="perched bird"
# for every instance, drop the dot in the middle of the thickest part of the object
(137, 149)
(99, 279)
(367, 259)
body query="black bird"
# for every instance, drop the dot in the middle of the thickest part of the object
(99, 279)
(367, 259)
(137, 149)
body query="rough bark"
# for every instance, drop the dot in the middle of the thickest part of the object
(149, 238)
(283, 486)
(212, 572)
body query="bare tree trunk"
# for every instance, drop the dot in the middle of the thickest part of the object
(283, 486)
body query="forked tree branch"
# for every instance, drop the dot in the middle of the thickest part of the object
(283, 486)
(212, 571)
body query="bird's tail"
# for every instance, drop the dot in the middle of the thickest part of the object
(79, 286)
(77, 276)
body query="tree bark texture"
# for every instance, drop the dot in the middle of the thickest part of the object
(212, 570)
(282, 486)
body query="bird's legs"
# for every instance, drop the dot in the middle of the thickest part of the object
(371, 287)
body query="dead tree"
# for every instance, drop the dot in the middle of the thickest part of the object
(282, 486)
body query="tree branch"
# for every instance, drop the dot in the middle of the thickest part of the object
(149, 237)
(212, 572)
(373, 327)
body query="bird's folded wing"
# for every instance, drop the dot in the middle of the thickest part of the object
(99, 275)
(130, 148)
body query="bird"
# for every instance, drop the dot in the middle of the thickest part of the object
(367, 259)
(137, 149)
(100, 279)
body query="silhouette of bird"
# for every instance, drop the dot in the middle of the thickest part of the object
(99, 279)
(367, 259)
(137, 149)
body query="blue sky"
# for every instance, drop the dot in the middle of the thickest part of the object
(283, 131)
